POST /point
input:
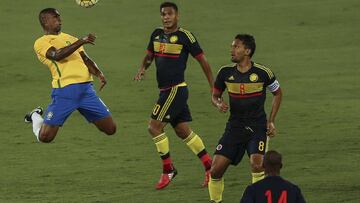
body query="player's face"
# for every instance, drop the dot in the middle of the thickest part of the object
(53, 22)
(238, 51)
(169, 17)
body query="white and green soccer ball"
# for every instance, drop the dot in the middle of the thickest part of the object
(86, 3)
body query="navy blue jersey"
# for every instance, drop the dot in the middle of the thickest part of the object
(171, 53)
(272, 189)
(247, 91)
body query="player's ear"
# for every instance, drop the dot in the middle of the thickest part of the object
(248, 52)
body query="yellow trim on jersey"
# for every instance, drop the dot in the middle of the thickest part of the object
(227, 66)
(247, 87)
(167, 48)
(167, 103)
(267, 70)
(188, 34)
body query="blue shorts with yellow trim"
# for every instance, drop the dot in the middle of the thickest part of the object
(240, 138)
(81, 97)
(172, 106)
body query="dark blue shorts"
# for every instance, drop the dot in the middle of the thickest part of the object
(172, 106)
(81, 97)
(238, 139)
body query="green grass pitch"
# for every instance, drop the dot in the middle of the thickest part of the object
(312, 46)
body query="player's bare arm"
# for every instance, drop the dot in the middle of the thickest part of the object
(60, 54)
(93, 69)
(218, 102)
(207, 69)
(145, 64)
(271, 130)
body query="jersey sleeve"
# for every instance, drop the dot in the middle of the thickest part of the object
(299, 196)
(41, 46)
(248, 196)
(219, 85)
(193, 45)
(271, 82)
(150, 47)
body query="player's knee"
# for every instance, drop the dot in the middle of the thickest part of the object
(46, 137)
(111, 130)
(256, 167)
(215, 173)
(154, 128)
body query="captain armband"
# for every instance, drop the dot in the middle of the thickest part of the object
(273, 86)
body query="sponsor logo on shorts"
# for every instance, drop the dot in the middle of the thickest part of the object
(49, 115)
(219, 147)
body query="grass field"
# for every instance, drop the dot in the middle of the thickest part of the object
(312, 46)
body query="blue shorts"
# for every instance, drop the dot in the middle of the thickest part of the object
(81, 97)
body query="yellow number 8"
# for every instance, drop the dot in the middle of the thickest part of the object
(261, 146)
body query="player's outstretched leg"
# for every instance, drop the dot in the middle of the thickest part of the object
(194, 142)
(162, 145)
(106, 125)
(43, 132)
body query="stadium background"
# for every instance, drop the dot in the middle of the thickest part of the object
(312, 46)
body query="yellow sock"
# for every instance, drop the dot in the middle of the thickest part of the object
(216, 188)
(162, 144)
(194, 142)
(257, 176)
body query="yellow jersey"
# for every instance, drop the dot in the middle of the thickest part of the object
(70, 70)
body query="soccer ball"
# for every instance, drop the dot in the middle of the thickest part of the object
(86, 3)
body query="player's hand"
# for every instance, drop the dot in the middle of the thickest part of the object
(222, 106)
(102, 81)
(89, 39)
(140, 74)
(271, 130)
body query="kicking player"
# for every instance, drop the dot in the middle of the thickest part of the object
(72, 71)
(170, 47)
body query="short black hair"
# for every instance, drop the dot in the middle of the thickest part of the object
(248, 41)
(273, 160)
(169, 4)
(46, 11)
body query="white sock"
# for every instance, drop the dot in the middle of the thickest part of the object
(37, 122)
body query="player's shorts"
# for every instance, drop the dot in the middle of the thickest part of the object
(238, 139)
(81, 97)
(172, 106)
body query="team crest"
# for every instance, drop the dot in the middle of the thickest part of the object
(49, 115)
(254, 77)
(173, 39)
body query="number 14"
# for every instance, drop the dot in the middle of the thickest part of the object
(282, 199)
